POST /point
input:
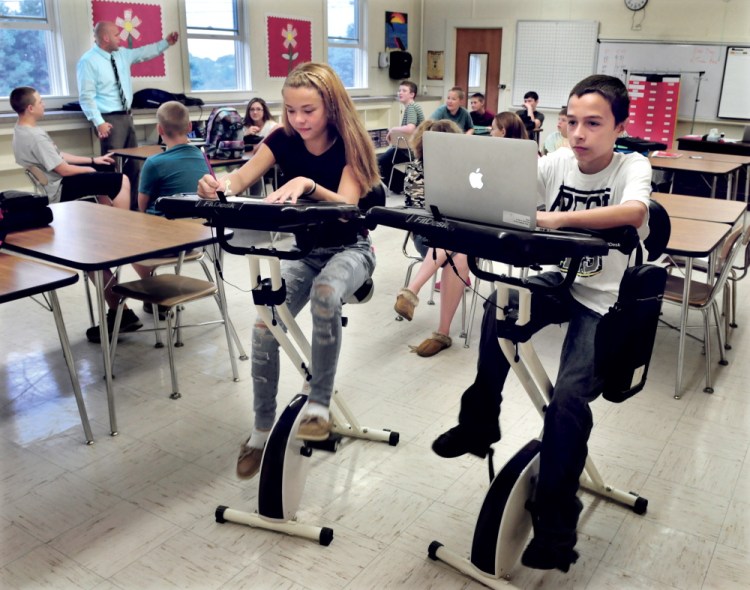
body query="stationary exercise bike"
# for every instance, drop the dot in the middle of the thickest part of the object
(286, 459)
(504, 521)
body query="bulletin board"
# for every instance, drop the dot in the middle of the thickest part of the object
(551, 58)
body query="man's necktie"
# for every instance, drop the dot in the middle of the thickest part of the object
(117, 81)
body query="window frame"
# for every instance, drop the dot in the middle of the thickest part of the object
(361, 69)
(56, 62)
(241, 41)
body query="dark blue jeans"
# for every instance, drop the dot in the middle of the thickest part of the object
(568, 420)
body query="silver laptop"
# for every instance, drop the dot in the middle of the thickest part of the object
(488, 180)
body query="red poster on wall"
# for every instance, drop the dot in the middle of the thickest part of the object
(139, 24)
(289, 44)
(653, 107)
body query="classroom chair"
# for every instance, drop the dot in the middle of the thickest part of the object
(170, 292)
(703, 296)
(399, 141)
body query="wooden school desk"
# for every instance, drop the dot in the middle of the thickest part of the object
(143, 152)
(743, 160)
(692, 239)
(21, 278)
(703, 166)
(700, 208)
(90, 238)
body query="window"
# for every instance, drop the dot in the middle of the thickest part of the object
(346, 41)
(29, 55)
(215, 45)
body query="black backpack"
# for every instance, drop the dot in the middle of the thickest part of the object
(151, 98)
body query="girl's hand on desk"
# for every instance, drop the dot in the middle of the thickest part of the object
(207, 187)
(291, 191)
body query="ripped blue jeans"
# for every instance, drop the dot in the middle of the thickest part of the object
(325, 277)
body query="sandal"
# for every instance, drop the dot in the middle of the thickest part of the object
(406, 301)
(433, 345)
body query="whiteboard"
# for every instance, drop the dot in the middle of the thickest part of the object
(671, 58)
(552, 57)
(735, 87)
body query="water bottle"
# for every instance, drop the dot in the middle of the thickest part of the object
(713, 135)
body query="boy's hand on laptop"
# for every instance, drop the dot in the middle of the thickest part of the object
(550, 219)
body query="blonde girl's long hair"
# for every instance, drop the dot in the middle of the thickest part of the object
(342, 116)
(441, 126)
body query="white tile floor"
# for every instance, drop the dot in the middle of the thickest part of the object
(136, 510)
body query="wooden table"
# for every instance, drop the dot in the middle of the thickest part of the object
(713, 168)
(143, 152)
(700, 208)
(20, 278)
(743, 160)
(691, 238)
(91, 238)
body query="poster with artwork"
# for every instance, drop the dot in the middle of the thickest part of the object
(396, 30)
(140, 24)
(289, 44)
(435, 65)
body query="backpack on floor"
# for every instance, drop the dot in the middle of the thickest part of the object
(224, 134)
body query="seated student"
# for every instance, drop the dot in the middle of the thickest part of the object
(412, 117)
(179, 168)
(452, 285)
(480, 116)
(70, 177)
(507, 124)
(453, 111)
(559, 138)
(531, 118)
(588, 186)
(326, 155)
(258, 121)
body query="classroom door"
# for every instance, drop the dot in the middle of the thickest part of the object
(482, 47)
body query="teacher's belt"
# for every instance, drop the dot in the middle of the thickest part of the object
(128, 112)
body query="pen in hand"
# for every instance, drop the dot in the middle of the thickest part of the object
(220, 194)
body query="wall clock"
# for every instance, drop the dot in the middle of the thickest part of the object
(636, 4)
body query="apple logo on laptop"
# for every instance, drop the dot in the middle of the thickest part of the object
(475, 179)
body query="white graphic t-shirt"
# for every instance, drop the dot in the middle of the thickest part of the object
(563, 187)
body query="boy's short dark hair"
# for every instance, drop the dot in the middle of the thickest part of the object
(564, 110)
(612, 89)
(478, 95)
(174, 118)
(410, 85)
(458, 90)
(21, 98)
(531, 94)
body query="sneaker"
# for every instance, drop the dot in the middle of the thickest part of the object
(129, 323)
(314, 428)
(544, 556)
(163, 309)
(406, 301)
(248, 462)
(459, 441)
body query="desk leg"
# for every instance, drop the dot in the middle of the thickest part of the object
(225, 310)
(713, 186)
(104, 335)
(683, 326)
(68, 355)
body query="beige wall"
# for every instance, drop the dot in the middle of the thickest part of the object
(694, 21)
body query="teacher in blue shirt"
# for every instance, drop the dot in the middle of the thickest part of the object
(105, 90)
